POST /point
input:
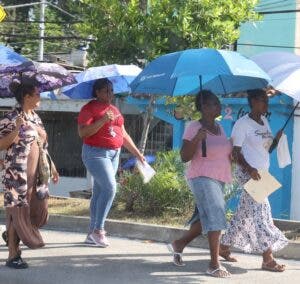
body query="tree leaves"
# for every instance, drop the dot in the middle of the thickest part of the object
(125, 33)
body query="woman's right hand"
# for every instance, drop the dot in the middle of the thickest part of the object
(109, 115)
(254, 173)
(19, 121)
(201, 134)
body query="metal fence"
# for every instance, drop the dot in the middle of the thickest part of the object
(65, 144)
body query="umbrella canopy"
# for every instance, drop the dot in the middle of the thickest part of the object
(49, 76)
(8, 56)
(131, 163)
(186, 72)
(120, 76)
(284, 70)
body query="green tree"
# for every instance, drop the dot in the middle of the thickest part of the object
(136, 31)
(126, 32)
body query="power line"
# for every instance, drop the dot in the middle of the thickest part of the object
(40, 22)
(46, 37)
(38, 3)
(21, 5)
(265, 45)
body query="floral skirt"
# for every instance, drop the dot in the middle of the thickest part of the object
(252, 228)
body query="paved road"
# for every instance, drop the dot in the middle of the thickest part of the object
(66, 260)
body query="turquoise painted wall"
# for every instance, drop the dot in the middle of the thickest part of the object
(273, 31)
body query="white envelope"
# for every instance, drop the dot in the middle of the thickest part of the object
(260, 189)
(146, 171)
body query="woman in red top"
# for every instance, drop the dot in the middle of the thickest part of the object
(101, 126)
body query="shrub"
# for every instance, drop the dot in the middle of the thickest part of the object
(167, 191)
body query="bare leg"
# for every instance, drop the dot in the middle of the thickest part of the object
(224, 251)
(214, 245)
(267, 256)
(194, 231)
(269, 263)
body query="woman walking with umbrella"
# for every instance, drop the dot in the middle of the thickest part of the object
(101, 126)
(208, 175)
(22, 134)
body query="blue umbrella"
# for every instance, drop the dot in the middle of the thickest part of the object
(186, 72)
(8, 56)
(130, 163)
(120, 76)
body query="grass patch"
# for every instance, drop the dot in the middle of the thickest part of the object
(80, 207)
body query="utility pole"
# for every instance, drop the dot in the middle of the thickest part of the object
(42, 30)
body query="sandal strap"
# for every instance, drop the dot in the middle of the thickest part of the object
(273, 265)
(221, 269)
(177, 253)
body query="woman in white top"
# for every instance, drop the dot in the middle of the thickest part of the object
(252, 228)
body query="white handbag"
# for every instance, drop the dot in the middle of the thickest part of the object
(283, 153)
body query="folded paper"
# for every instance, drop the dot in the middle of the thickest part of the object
(260, 189)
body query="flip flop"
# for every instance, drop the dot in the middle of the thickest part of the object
(216, 272)
(177, 256)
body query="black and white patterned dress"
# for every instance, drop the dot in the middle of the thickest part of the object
(251, 228)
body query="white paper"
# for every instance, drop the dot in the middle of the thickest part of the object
(283, 153)
(260, 189)
(146, 171)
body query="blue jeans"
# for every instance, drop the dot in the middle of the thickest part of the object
(210, 202)
(102, 163)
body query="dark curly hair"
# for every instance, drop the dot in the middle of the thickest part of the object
(23, 87)
(203, 97)
(99, 85)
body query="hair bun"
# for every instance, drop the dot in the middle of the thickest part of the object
(15, 85)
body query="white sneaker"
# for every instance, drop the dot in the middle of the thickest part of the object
(89, 240)
(100, 239)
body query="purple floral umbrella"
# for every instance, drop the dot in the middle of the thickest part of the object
(49, 76)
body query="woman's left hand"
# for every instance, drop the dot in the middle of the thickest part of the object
(278, 135)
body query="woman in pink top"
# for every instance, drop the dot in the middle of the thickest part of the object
(207, 177)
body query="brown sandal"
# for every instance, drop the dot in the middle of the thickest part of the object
(226, 255)
(273, 266)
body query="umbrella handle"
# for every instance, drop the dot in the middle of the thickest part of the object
(290, 115)
(203, 145)
(275, 142)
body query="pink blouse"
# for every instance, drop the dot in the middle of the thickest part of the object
(217, 164)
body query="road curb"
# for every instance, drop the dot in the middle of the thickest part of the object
(153, 232)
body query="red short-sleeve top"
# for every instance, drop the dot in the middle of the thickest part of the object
(110, 135)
